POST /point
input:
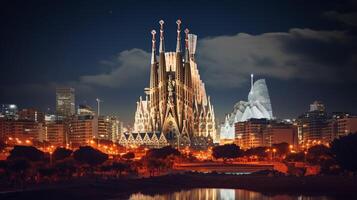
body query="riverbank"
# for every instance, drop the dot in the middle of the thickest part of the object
(339, 186)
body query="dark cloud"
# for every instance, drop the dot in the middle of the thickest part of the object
(346, 18)
(306, 54)
(129, 68)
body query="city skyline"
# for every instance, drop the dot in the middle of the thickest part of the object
(136, 99)
(94, 44)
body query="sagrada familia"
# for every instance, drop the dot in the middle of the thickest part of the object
(176, 107)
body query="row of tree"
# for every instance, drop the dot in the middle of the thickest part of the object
(231, 151)
(28, 164)
(340, 154)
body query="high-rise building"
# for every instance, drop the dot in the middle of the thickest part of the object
(176, 104)
(346, 125)
(109, 128)
(250, 133)
(279, 132)
(317, 106)
(8, 111)
(65, 102)
(81, 130)
(312, 125)
(31, 114)
(25, 125)
(56, 133)
(85, 110)
(23, 130)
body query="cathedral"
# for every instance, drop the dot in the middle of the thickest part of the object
(175, 104)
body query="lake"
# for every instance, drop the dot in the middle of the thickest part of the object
(222, 194)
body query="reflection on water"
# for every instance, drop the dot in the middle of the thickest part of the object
(220, 194)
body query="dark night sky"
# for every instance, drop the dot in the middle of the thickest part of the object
(305, 50)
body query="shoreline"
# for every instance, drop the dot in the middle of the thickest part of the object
(122, 189)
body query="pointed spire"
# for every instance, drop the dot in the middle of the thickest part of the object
(178, 44)
(251, 82)
(153, 73)
(187, 76)
(186, 46)
(162, 46)
(153, 49)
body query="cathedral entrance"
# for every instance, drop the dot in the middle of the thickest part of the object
(170, 130)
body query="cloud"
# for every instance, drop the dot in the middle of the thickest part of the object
(346, 18)
(129, 68)
(227, 61)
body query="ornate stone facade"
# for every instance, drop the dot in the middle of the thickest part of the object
(176, 104)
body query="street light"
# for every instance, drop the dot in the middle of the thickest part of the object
(50, 158)
(274, 150)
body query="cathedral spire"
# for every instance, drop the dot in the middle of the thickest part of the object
(162, 45)
(188, 81)
(162, 62)
(251, 82)
(153, 70)
(178, 44)
(186, 46)
(162, 82)
(153, 49)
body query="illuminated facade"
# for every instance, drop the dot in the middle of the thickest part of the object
(258, 106)
(65, 102)
(176, 104)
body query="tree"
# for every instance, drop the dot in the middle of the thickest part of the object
(257, 151)
(120, 167)
(90, 156)
(61, 153)
(344, 149)
(163, 152)
(318, 153)
(18, 169)
(295, 157)
(26, 152)
(227, 151)
(153, 165)
(3, 164)
(65, 168)
(128, 156)
(281, 148)
(18, 165)
(47, 172)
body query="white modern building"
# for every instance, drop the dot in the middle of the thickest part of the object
(258, 106)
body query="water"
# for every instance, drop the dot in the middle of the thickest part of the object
(222, 194)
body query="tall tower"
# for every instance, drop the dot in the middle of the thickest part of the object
(154, 82)
(65, 101)
(179, 77)
(188, 97)
(153, 70)
(162, 75)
